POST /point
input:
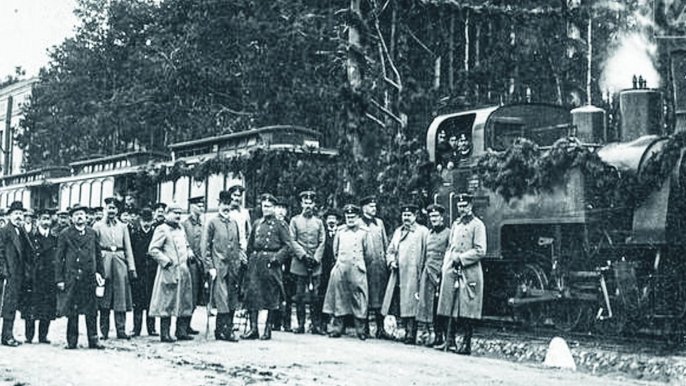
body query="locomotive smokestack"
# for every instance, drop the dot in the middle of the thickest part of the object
(641, 111)
(679, 79)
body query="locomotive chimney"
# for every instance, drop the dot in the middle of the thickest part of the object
(641, 111)
(679, 82)
(590, 124)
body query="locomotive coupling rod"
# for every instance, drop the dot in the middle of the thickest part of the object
(545, 297)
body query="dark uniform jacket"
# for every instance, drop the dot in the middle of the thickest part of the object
(141, 289)
(15, 266)
(77, 260)
(40, 304)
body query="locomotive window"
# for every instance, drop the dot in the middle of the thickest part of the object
(506, 132)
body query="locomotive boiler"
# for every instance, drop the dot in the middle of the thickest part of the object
(555, 256)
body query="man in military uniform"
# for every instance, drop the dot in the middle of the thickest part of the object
(62, 221)
(98, 214)
(78, 270)
(141, 289)
(15, 269)
(40, 304)
(347, 291)
(223, 258)
(377, 273)
(120, 268)
(172, 294)
(268, 246)
(436, 245)
(404, 257)
(282, 316)
(159, 212)
(308, 231)
(461, 293)
(29, 221)
(193, 226)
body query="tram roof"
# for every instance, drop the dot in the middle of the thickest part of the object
(246, 133)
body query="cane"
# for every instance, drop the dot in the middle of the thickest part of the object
(456, 289)
(209, 309)
(2, 292)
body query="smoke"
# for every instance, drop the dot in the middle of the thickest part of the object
(634, 55)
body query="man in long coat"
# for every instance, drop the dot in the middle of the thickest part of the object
(223, 258)
(269, 245)
(347, 291)
(15, 269)
(331, 220)
(308, 231)
(141, 289)
(193, 225)
(405, 256)
(466, 248)
(78, 270)
(172, 293)
(40, 304)
(436, 245)
(377, 272)
(120, 269)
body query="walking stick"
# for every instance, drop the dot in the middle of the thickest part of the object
(209, 309)
(456, 289)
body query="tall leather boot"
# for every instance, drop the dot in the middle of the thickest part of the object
(300, 315)
(73, 332)
(220, 327)
(120, 325)
(411, 331)
(252, 333)
(150, 326)
(29, 329)
(336, 328)
(466, 347)
(230, 336)
(92, 332)
(43, 327)
(449, 342)
(182, 323)
(316, 317)
(286, 317)
(439, 331)
(165, 327)
(360, 328)
(104, 323)
(381, 332)
(137, 322)
(8, 334)
(267, 335)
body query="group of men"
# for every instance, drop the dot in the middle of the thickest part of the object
(157, 264)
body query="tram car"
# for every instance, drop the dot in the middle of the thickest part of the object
(553, 259)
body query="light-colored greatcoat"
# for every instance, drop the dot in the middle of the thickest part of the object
(436, 245)
(377, 271)
(221, 250)
(117, 257)
(406, 248)
(347, 290)
(467, 244)
(172, 294)
(310, 233)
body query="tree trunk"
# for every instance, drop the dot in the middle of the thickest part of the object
(354, 79)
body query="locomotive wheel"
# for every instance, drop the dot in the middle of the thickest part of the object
(567, 314)
(531, 276)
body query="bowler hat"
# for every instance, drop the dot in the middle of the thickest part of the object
(16, 205)
(332, 212)
(77, 208)
(146, 214)
(225, 197)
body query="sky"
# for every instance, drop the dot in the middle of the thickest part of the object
(28, 28)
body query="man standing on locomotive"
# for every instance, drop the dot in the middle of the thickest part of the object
(461, 294)
(404, 257)
(436, 245)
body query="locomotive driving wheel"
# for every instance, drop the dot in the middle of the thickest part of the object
(530, 279)
(566, 314)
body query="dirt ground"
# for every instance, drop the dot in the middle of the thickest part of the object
(287, 359)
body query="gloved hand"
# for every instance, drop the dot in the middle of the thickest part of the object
(133, 275)
(60, 286)
(213, 273)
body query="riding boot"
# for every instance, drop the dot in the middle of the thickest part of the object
(182, 323)
(150, 325)
(228, 328)
(439, 331)
(30, 329)
(252, 333)
(317, 323)
(120, 325)
(449, 342)
(220, 327)
(104, 323)
(410, 331)
(286, 317)
(267, 335)
(73, 331)
(381, 332)
(165, 333)
(360, 328)
(300, 314)
(466, 347)
(8, 334)
(43, 327)
(137, 322)
(92, 332)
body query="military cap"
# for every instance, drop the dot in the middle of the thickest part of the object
(196, 200)
(351, 209)
(16, 205)
(438, 208)
(332, 212)
(77, 208)
(268, 197)
(48, 211)
(464, 198)
(97, 209)
(409, 208)
(368, 200)
(146, 214)
(111, 201)
(65, 212)
(235, 187)
(174, 206)
(308, 194)
(224, 197)
(281, 201)
(29, 212)
(159, 205)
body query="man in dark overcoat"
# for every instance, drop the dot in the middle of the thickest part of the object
(331, 221)
(193, 226)
(78, 271)
(15, 269)
(268, 247)
(40, 302)
(141, 289)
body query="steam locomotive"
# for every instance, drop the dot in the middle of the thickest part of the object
(553, 259)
